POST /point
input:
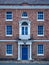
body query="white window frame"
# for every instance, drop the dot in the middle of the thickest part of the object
(24, 17)
(6, 32)
(37, 51)
(9, 54)
(40, 19)
(8, 19)
(20, 30)
(43, 31)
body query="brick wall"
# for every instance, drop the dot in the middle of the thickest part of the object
(3, 50)
(34, 51)
(32, 16)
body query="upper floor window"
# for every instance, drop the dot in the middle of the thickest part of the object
(24, 15)
(40, 16)
(24, 28)
(40, 49)
(9, 50)
(8, 30)
(40, 30)
(8, 16)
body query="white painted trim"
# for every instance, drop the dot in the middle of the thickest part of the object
(9, 54)
(20, 22)
(40, 40)
(40, 35)
(24, 17)
(20, 30)
(19, 48)
(30, 52)
(9, 35)
(9, 20)
(19, 57)
(22, 41)
(24, 7)
(40, 20)
(40, 54)
(7, 40)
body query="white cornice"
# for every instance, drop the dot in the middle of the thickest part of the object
(22, 40)
(24, 7)
(40, 40)
(8, 40)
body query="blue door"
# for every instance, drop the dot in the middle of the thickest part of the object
(24, 52)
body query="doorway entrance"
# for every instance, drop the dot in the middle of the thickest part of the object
(24, 52)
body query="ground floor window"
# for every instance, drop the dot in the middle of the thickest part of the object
(40, 49)
(9, 50)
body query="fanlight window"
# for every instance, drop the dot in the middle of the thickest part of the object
(24, 23)
(24, 14)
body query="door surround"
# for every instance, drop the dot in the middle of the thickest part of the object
(28, 43)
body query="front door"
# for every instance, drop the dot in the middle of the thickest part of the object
(25, 52)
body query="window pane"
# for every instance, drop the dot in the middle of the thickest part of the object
(9, 51)
(24, 23)
(9, 47)
(22, 30)
(24, 14)
(40, 16)
(40, 49)
(9, 12)
(9, 30)
(26, 30)
(40, 13)
(9, 16)
(40, 30)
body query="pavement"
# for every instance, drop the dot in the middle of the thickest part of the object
(26, 62)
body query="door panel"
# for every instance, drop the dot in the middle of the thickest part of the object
(24, 52)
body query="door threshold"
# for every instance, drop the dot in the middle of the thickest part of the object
(24, 61)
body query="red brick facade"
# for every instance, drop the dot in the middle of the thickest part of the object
(32, 17)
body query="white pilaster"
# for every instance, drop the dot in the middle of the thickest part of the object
(30, 53)
(19, 52)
